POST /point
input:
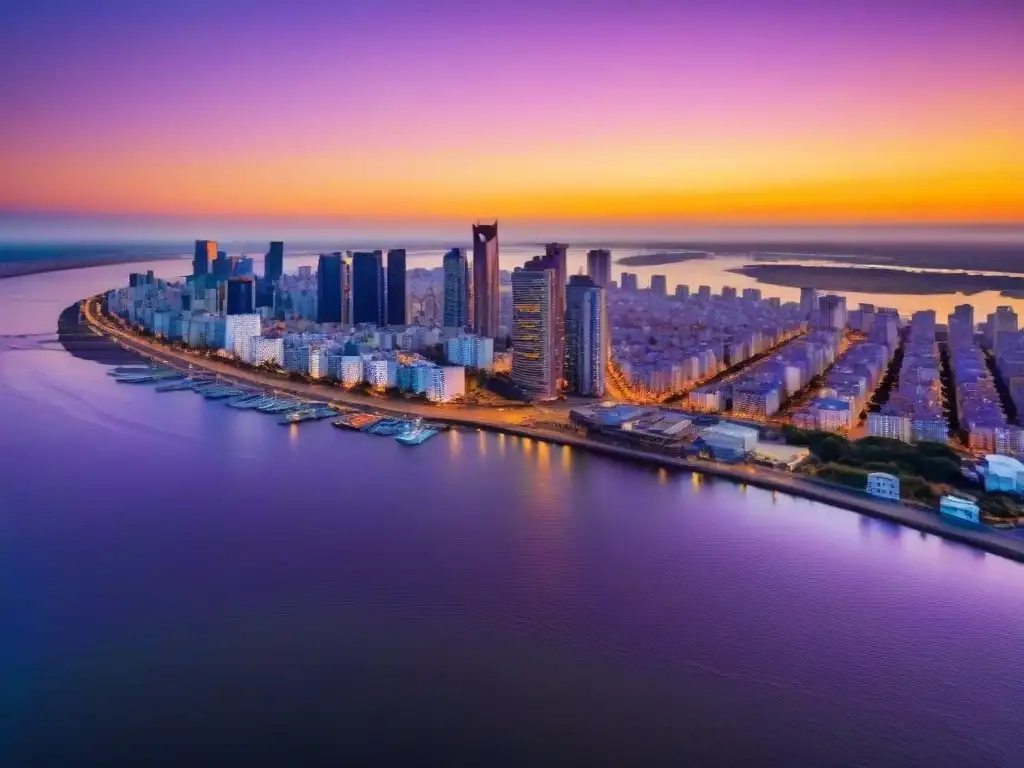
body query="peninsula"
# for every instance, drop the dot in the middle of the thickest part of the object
(662, 257)
(880, 280)
(512, 423)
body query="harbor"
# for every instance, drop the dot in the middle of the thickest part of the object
(287, 409)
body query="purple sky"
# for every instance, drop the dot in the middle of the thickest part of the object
(403, 110)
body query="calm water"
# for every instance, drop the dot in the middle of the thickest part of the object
(185, 583)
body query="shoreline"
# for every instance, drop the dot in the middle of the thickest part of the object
(9, 269)
(987, 540)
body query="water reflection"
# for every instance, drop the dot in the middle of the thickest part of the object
(566, 459)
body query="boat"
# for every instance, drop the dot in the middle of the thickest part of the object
(177, 386)
(415, 434)
(247, 402)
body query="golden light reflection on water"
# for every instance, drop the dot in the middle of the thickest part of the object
(696, 479)
(544, 456)
(293, 433)
(454, 441)
(527, 446)
(501, 444)
(482, 441)
(566, 459)
(662, 475)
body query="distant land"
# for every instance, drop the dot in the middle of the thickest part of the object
(881, 280)
(990, 257)
(662, 257)
(28, 260)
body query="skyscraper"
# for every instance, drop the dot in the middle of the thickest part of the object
(221, 267)
(682, 292)
(486, 309)
(368, 287)
(533, 329)
(396, 287)
(557, 254)
(329, 288)
(659, 285)
(205, 253)
(832, 312)
(586, 336)
(599, 267)
(273, 262)
(629, 281)
(456, 289)
(241, 296)
(808, 301)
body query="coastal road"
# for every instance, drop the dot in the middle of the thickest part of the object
(512, 422)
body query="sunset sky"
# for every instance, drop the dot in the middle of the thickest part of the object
(418, 111)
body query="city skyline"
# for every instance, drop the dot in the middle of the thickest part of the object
(652, 115)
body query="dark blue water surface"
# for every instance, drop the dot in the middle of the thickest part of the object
(183, 583)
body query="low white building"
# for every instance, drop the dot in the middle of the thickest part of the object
(237, 327)
(892, 426)
(883, 486)
(961, 509)
(1003, 473)
(446, 383)
(730, 438)
(471, 351)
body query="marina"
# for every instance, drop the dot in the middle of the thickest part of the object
(288, 410)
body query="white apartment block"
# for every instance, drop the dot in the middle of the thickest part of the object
(380, 374)
(446, 383)
(237, 327)
(471, 351)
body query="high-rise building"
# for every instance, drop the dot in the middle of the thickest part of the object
(808, 301)
(832, 312)
(221, 266)
(728, 292)
(557, 254)
(682, 292)
(486, 309)
(533, 329)
(368, 287)
(456, 289)
(586, 336)
(1001, 323)
(704, 293)
(202, 259)
(396, 297)
(659, 285)
(241, 296)
(329, 291)
(243, 266)
(599, 267)
(273, 262)
(629, 281)
(751, 294)
(965, 314)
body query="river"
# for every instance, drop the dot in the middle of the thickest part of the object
(185, 583)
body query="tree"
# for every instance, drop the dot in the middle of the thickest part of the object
(831, 449)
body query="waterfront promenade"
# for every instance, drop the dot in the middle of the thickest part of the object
(510, 422)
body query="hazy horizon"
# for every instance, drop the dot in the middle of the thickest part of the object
(66, 229)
